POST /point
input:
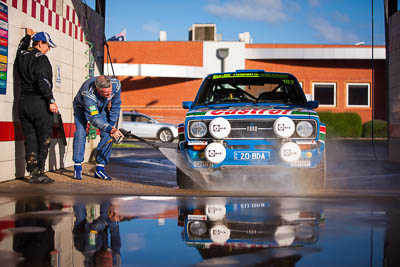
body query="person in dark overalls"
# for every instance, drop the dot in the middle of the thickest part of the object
(36, 104)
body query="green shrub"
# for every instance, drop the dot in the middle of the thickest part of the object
(345, 124)
(380, 128)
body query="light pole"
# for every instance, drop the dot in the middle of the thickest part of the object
(222, 53)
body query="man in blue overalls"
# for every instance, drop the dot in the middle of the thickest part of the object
(99, 238)
(99, 102)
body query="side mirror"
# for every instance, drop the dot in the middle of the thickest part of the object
(313, 104)
(187, 104)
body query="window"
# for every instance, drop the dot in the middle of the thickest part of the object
(126, 117)
(325, 94)
(358, 95)
(140, 118)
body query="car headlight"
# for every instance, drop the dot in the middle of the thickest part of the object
(215, 153)
(284, 235)
(290, 152)
(304, 129)
(220, 128)
(220, 233)
(197, 228)
(198, 129)
(215, 212)
(284, 127)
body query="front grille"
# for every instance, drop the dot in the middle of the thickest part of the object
(251, 129)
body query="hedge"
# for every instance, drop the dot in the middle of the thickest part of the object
(345, 124)
(380, 128)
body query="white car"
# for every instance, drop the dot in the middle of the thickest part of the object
(146, 127)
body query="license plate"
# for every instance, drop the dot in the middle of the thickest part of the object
(249, 155)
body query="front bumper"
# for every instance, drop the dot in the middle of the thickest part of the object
(256, 153)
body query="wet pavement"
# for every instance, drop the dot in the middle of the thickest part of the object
(354, 167)
(187, 231)
(141, 218)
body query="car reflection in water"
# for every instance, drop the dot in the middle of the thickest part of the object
(219, 229)
(146, 127)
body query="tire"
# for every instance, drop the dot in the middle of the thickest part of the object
(182, 180)
(165, 135)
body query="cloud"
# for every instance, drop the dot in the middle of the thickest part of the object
(314, 3)
(340, 17)
(253, 10)
(331, 33)
(152, 26)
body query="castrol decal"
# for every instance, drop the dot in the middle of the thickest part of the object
(254, 111)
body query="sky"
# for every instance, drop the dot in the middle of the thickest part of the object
(267, 21)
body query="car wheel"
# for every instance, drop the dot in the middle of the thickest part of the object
(182, 180)
(165, 136)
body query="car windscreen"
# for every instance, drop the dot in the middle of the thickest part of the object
(250, 88)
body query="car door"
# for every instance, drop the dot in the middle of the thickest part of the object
(128, 122)
(146, 126)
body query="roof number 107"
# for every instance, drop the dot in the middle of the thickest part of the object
(286, 81)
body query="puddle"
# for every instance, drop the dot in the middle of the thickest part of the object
(198, 231)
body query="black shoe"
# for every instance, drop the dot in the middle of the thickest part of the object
(35, 173)
(40, 178)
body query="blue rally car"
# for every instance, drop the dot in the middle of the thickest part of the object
(247, 121)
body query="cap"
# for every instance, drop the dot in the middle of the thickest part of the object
(45, 37)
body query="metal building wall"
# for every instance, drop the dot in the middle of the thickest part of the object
(69, 24)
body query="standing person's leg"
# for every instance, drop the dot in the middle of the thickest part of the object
(79, 141)
(44, 129)
(103, 155)
(31, 147)
(104, 148)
